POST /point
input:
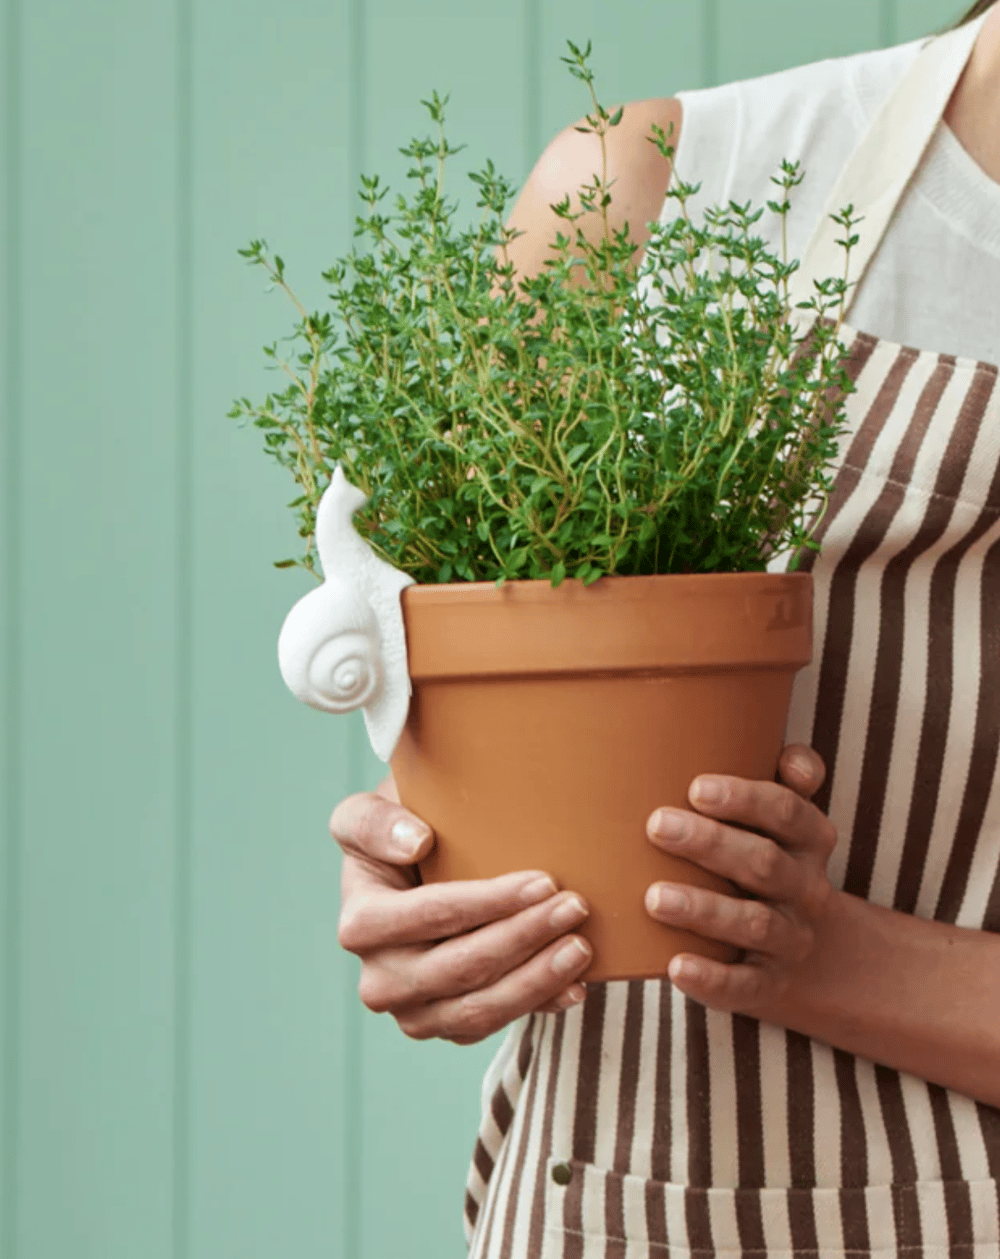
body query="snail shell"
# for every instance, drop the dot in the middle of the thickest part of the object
(346, 673)
(343, 646)
(329, 651)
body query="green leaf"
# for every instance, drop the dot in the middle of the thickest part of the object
(491, 418)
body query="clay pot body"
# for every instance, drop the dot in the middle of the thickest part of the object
(545, 726)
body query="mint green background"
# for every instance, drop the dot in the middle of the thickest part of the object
(187, 1071)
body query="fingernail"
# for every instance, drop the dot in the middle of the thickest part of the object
(671, 825)
(570, 956)
(538, 890)
(669, 899)
(570, 911)
(572, 996)
(800, 766)
(407, 838)
(708, 791)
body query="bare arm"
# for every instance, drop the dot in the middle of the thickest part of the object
(640, 172)
(920, 996)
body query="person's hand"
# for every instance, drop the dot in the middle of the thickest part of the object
(457, 960)
(783, 871)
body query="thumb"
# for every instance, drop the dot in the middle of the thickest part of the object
(372, 828)
(802, 769)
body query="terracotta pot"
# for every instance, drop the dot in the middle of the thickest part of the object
(545, 726)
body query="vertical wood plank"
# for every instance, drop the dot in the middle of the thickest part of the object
(460, 50)
(306, 1115)
(424, 1099)
(913, 19)
(887, 23)
(11, 286)
(270, 1095)
(784, 33)
(98, 559)
(183, 716)
(640, 49)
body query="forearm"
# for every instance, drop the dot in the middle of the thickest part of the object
(921, 997)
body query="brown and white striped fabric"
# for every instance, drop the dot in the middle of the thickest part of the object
(683, 1130)
(642, 1124)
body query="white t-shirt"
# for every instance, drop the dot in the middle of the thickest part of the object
(935, 282)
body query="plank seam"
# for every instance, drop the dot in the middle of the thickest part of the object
(352, 1134)
(532, 84)
(12, 757)
(184, 240)
(709, 43)
(887, 23)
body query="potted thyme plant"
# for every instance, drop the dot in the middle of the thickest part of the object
(581, 486)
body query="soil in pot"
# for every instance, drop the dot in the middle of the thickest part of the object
(545, 726)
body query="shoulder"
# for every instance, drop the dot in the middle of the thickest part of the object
(735, 137)
(729, 139)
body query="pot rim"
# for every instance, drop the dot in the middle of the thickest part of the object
(454, 591)
(657, 624)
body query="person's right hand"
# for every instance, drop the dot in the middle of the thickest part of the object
(458, 961)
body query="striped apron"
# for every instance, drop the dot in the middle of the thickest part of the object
(641, 1123)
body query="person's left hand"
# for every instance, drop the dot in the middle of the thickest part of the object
(783, 871)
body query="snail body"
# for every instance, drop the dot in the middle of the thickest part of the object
(343, 645)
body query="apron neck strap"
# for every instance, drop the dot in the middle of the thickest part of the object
(880, 168)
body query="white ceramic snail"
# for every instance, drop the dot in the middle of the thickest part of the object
(343, 645)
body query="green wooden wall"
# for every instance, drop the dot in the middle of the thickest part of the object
(186, 1070)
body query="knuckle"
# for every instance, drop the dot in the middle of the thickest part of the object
(439, 920)
(471, 969)
(353, 821)
(374, 992)
(827, 836)
(805, 942)
(413, 1024)
(350, 928)
(786, 807)
(757, 986)
(474, 1019)
(759, 921)
(817, 895)
(337, 818)
(347, 936)
(764, 862)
